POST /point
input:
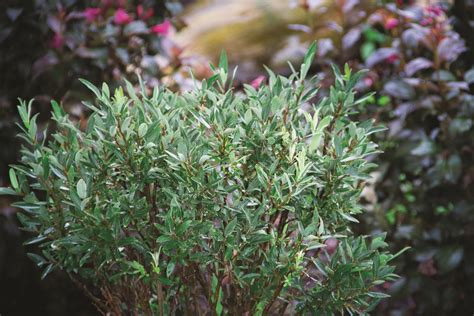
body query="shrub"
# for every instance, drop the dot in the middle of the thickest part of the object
(424, 195)
(426, 191)
(211, 201)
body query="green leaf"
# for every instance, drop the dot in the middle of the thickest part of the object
(13, 179)
(367, 49)
(308, 59)
(170, 268)
(229, 229)
(248, 116)
(91, 87)
(47, 271)
(57, 111)
(349, 217)
(37, 259)
(315, 245)
(25, 113)
(8, 191)
(223, 63)
(131, 91)
(142, 129)
(105, 90)
(378, 295)
(323, 123)
(219, 307)
(81, 188)
(315, 141)
(35, 240)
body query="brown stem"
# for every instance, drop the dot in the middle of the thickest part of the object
(273, 299)
(101, 307)
(331, 127)
(161, 298)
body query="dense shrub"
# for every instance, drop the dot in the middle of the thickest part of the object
(429, 152)
(211, 201)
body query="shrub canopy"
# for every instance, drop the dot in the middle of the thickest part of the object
(210, 201)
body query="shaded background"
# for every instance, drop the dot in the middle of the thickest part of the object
(419, 56)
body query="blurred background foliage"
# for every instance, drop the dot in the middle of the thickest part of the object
(419, 56)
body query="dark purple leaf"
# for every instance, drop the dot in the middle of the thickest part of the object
(411, 38)
(458, 85)
(425, 147)
(405, 231)
(123, 55)
(325, 45)
(416, 65)
(469, 76)
(380, 55)
(97, 53)
(14, 13)
(415, 82)
(425, 254)
(429, 101)
(428, 268)
(399, 89)
(349, 5)
(75, 15)
(351, 38)
(450, 48)
(135, 28)
(404, 109)
(54, 23)
(4, 33)
(415, 35)
(449, 258)
(300, 27)
(395, 126)
(411, 13)
(44, 64)
(460, 125)
(443, 75)
(334, 26)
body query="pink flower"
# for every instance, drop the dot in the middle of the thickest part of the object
(392, 58)
(91, 14)
(368, 81)
(391, 23)
(426, 21)
(162, 28)
(403, 3)
(257, 82)
(57, 41)
(144, 15)
(435, 10)
(121, 17)
(387, 285)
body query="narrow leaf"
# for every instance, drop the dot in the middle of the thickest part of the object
(81, 189)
